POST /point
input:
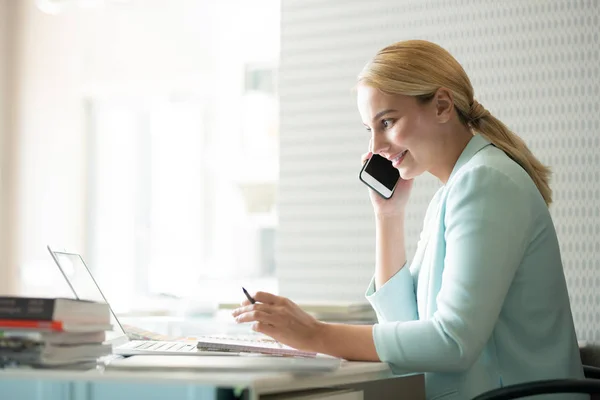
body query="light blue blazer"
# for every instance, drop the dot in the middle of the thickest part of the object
(484, 303)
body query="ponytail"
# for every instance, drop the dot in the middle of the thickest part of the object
(503, 138)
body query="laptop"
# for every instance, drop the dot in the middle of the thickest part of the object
(84, 287)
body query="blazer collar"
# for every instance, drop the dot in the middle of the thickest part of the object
(476, 143)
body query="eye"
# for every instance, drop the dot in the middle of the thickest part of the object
(368, 129)
(386, 123)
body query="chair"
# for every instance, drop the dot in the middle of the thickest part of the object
(589, 385)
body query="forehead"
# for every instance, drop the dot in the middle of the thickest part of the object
(371, 101)
(368, 94)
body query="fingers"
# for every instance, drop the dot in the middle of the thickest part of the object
(268, 298)
(365, 157)
(368, 154)
(265, 310)
(264, 328)
(257, 316)
(252, 307)
(255, 312)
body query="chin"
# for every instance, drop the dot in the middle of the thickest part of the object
(409, 173)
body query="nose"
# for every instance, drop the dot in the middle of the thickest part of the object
(379, 144)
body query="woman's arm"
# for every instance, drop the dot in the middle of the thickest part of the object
(284, 321)
(350, 342)
(390, 254)
(392, 290)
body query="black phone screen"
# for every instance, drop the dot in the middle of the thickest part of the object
(381, 169)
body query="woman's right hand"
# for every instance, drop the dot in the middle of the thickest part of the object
(395, 205)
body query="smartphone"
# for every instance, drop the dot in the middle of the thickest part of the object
(379, 174)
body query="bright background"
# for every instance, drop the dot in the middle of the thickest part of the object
(188, 147)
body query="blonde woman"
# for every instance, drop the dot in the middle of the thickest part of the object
(484, 302)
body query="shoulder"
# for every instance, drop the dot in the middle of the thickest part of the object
(493, 172)
(492, 189)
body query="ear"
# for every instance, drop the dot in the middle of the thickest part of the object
(444, 104)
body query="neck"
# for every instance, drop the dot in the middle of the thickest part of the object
(450, 151)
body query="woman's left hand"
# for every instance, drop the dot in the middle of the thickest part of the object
(281, 319)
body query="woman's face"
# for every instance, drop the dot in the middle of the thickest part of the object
(402, 129)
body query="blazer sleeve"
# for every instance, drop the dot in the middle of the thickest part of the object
(396, 299)
(487, 218)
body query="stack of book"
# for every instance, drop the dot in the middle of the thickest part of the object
(52, 332)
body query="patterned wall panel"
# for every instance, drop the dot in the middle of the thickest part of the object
(533, 64)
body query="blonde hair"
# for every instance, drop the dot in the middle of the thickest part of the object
(419, 68)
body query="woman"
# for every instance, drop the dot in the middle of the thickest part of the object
(484, 303)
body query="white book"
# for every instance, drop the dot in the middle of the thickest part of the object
(249, 344)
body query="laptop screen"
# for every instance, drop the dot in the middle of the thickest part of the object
(84, 285)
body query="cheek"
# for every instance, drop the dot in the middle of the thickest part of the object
(419, 133)
(406, 131)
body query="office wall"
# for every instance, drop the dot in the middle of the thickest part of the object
(47, 163)
(7, 268)
(533, 64)
(4, 273)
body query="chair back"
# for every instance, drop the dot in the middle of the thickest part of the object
(590, 357)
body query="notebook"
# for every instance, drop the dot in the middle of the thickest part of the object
(249, 344)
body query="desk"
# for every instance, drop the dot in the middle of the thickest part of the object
(364, 380)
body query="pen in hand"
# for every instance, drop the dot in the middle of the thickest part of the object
(250, 299)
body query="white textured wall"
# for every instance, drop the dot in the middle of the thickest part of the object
(533, 64)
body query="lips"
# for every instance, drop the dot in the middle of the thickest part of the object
(398, 159)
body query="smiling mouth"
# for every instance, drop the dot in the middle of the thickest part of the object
(396, 161)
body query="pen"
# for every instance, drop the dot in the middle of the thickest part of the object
(250, 299)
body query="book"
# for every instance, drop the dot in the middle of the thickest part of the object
(54, 309)
(51, 326)
(70, 338)
(249, 344)
(59, 338)
(26, 351)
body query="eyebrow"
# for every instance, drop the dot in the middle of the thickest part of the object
(382, 113)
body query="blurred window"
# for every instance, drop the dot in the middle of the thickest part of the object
(182, 182)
